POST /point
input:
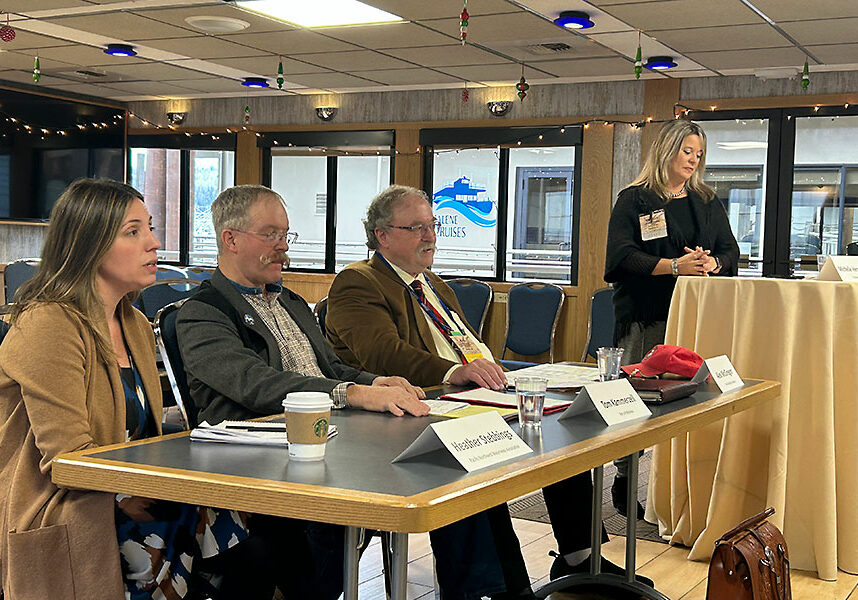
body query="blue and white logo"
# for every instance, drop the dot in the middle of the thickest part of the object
(460, 196)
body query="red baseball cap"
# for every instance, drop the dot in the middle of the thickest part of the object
(667, 359)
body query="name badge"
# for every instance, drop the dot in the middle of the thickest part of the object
(839, 268)
(466, 345)
(616, 401)
(653, 225)
(475, 442)
(722, 371)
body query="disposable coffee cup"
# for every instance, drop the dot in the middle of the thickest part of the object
(308, 415)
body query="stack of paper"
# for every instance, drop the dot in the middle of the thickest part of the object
(504, 400)
(456, 409)
(559, 376)
(266, 433)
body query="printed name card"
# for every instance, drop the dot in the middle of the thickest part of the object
(475, 442)
(722, 371)
(616, 401)
(839, 268)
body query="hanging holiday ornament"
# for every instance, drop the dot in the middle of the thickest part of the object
(522, 86)
(37, 72)
(466, 94)
(280, 74)
(638, 59)
(7, 33)
(805, 77)
(247, 114)
(463, 23)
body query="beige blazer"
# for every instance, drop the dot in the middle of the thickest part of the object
(56, 397)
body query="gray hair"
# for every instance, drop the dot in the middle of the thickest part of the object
(231, 208)
(380, 211)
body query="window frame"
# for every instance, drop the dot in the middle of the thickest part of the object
(506, 138)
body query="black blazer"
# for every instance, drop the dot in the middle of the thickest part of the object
(233, 362)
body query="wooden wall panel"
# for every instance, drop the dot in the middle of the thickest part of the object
(408, 164)
(312, 287)
(660, 96)
(248, 159)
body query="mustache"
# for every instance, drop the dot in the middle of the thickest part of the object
(281, 257)
(426, 246)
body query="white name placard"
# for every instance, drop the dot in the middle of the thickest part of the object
(839, 268)
(476, 442)
(722, 371)
(616, 401)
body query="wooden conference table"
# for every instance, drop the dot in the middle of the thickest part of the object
(357, 486)
(799, 453)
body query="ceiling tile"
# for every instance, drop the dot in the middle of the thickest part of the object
(610, 2)
(823, 31)
(701, 39)
(836, 54)
(415, 10)
(88, 89)
(156, 72)
(149, 88)
(265, 65)
(210, 85)
(89, 56)
(588, 67)
(25, 76)
(122, 25)
(24, 40)
(330, 81)
(682, 13)
(492, 73)
(749, 59)
(288, 43)
(579, 48)
(177, 16)
(393, 35)
(20, 60)
(408, 76)
(795, 10)
(204, 46)
(521, 27)
(364, 60)
(453, 55)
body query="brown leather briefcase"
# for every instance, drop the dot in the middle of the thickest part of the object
(750, 562)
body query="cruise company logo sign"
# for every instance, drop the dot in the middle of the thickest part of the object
(462, 209)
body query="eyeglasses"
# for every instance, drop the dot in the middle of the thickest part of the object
(272, 237)
(421, 229)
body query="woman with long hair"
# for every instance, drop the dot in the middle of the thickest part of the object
(667, 223)
(77, 370)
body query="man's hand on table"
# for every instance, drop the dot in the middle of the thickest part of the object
(483, 372)
(399, 382)
(394, 398)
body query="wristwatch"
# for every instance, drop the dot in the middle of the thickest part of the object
(674, 267)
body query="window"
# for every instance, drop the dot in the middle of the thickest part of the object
(156, 173)
(359, 180)
(506, 202)
(212, 171)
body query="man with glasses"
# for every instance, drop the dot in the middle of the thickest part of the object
(246, 342)
(390, 314)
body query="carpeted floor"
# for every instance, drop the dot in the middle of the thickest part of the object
(532, 508)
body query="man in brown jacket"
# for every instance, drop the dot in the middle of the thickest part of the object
(391, 315)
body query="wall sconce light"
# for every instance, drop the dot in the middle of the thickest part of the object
(176, 118)
(326, 113)
(499, 108)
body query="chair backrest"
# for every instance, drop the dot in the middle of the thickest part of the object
(532, 312)
(475, 298)
(164, 292)
(199, 273)
(168, 344)
(601, 328)
(18, 273)
(170, 272)
(321, 311)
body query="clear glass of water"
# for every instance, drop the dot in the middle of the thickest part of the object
(609, 361)
(530, 398)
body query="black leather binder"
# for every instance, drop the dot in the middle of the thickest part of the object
(659, 391)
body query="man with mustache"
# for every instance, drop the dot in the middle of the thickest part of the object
(390, 314)
(246, 342)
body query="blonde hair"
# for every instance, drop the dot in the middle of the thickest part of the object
(85, 222)
(668, 143)
(231, 208)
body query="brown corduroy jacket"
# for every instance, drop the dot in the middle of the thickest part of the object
(57, 396)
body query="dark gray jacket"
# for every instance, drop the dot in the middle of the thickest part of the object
(233, 362)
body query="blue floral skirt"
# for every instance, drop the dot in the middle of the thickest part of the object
(159, 542)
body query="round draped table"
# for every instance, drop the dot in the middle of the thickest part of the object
(798, 453)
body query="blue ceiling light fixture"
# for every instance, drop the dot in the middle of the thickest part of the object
(660, 63)
(574, 19)
(120, 50)
(255, 82)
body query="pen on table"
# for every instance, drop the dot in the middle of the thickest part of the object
(275, 429)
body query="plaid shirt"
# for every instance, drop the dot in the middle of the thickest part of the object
(296, 353)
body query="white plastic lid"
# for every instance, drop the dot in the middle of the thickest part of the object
(307, 400)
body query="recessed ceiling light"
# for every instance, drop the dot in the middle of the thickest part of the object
(255, 82)
(120, 50)
(215, 24)
(574, 19)
(660, 63)
(312, 14)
